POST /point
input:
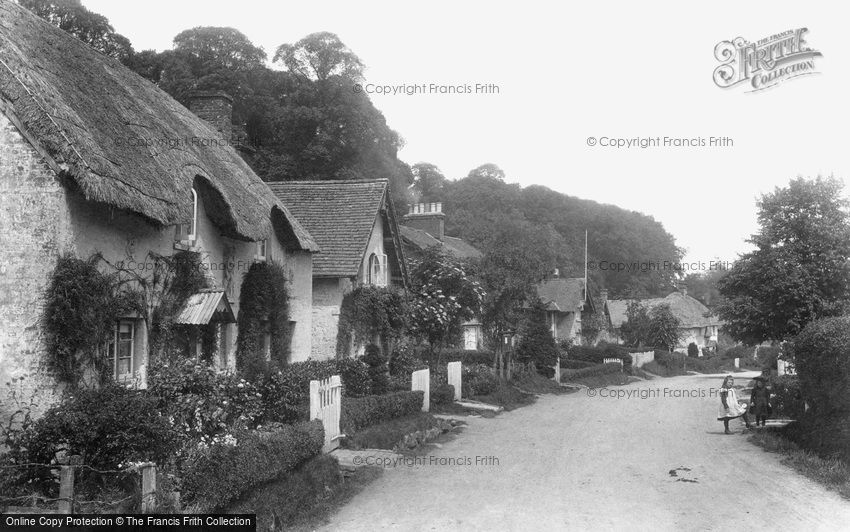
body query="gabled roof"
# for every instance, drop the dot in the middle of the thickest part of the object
(424, 240)
(340, 215)
(122, 141)
(689, 311)
(564, 294)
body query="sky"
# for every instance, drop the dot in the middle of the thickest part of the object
(551, 75)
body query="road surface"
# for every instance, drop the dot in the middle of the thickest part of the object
(581, 462)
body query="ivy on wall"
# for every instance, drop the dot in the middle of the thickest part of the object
(263, 307)
(79, 315)
(371, 314)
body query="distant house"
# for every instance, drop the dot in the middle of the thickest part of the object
(95, 159)
(355, 226)
(697, 324)
(424, 227)
(565, 301)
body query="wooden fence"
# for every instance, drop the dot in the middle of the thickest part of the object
(421, 380)
(455, 372)
(613, 361)
(326, 405)
(67, 501)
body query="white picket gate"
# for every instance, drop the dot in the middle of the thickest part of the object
(421, 380)
(455, 378)
(613, 361)
(325, 405)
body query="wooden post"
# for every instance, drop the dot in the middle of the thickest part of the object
(421, 380)
(66, 484)
(557, 375)
(148, 470)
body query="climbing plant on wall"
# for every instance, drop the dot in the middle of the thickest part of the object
(263, 308)
(368, 314)
(79, 314)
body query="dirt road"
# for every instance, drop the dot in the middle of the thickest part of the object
(580, 462)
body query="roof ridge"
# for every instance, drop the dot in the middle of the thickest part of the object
(327, 181)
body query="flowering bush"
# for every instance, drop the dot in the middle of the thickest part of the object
(478, 379)
(202, 402)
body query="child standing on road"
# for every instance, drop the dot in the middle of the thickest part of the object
(760, 401)
(730, 408)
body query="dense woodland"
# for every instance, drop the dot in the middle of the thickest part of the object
(297, 109)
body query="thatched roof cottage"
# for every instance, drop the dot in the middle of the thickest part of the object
(93, 158)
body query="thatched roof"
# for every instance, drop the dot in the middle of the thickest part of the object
(691, 312)
(122, 141)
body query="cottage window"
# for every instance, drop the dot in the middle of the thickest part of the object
(186, 233)
(262, 246)
(121, 349)
(377, 269)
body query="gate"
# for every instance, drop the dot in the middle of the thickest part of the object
(454, 371)
(421, 380)
(325, 405)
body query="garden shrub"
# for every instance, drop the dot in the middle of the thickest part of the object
(738, 351)
(218, 474)
(478, 379)
(203, 402)
(593, 371)
(286, 392)
(693, 350)
(787, 401)
(359, 412)
(263, 302)
(368, 312)
(107, 426)
(567, 363)
(767, 356)
(378, 369)
(596, 354)
(442, 394)
(822, 359)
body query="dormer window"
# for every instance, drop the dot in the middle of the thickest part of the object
(377, 270)
(262, 250)
(187, 233)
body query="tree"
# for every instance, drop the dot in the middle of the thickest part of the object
(320, 56)
(654, 326)
(536, 343)
(800, 269)
(516, 258)
(91, 28)
(488, 170)
(428, 183)
(445, 295)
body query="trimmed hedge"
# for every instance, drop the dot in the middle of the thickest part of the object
(359, 412)
(593, 371)
(220, 473)
(455, 355)
(787, 400)
(596, 354)
(575, 364)
(286, 393)
(478, 379)
(442, 394)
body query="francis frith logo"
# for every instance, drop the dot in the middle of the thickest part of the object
(765, 63)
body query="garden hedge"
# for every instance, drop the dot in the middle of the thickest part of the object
(220, 473)
(359, 412)
(593, 371)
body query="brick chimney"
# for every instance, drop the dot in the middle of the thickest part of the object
(428, 217)
(216, 108)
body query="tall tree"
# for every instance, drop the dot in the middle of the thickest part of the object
(428, 183)
(91, 28)
(320, 56)
(800, 269)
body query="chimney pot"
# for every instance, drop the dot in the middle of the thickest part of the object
(427, 217)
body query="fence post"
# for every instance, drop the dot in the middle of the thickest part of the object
(737, 362)
(421, 380)
(66, 484)
(455, 378)
(148, 487)
(557, 375)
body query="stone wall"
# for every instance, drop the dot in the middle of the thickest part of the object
(34, 231)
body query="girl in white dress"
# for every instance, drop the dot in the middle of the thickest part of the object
(730, 408)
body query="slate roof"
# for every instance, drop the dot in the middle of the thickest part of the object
(113, 134)
(564, 294)
(424, 240)
(691, 312)
(339, 215)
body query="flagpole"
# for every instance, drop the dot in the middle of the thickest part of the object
(585, 264)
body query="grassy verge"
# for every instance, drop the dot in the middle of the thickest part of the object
(537, 383)
(506, 396)
(304, 498)
(387, 434)
(832, 473)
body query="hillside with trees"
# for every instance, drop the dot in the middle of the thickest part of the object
(303, 120)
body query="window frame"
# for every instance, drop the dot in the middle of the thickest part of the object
(112, 349)
(192, 232)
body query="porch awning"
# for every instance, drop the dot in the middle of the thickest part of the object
(206, 307)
